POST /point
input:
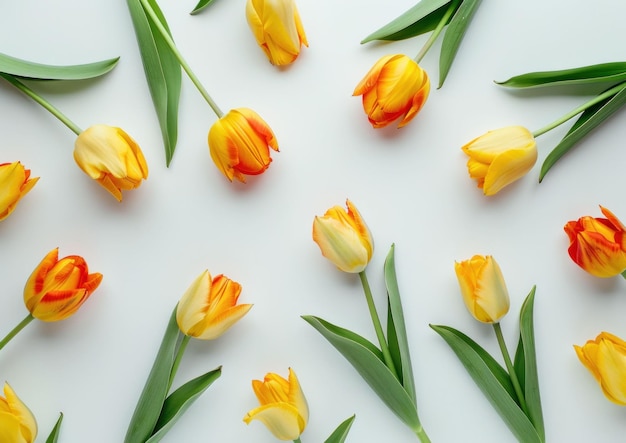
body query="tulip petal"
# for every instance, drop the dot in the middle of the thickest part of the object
(194, 303)
(282, 419)
(297, 398)
(508, 167)
(25, 418)
(371, 78)
(211, 328)
(10, 430)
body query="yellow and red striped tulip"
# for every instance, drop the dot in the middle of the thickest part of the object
(483, 288)
(57, 288)
(500, 157)
(344, 238)
(277, 28)
(605, 357)
(240, 143)
(395, 87)
(15, 182)
(598, 245)
(17, 423)
(283, 407)
(209, 307)
(111, 157)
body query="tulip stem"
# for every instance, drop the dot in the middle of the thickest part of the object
(179, 356)
(421, 434)
(377, 325)
(580, 109)
(510, 368)
(183, 63)
(43, 102)
(624, 274)
(433, 35)
(16, 329)
(297, 440)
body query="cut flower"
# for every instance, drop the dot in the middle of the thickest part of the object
(17, 423)
(15, 182)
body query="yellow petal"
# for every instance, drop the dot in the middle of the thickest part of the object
(282, 419)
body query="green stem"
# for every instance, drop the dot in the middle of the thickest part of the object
(510, 368)
(179, 356)
(624, 274)
(170, 42)
(297, 440)
(16, 329)
(377, 325)
(433, 35)
(43, 102)
(421, 434)
(580, 109)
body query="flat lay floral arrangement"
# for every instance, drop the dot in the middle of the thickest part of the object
(288, 221)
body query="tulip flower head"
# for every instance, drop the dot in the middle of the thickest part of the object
(598, 245)
(283, 407)
(240, 143)
(605, 357)
(500, 157)
(17, 423)
(57, 288)
(277, 27)
(111, 157)
(483, 288)
(396, 87)
(209, 307)
(344, 238)
(15, 182)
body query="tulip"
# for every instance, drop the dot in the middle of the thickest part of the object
(17, 423)
(483, 288)
(111, 157)
(500, 157)
(283, 407)
(395, 87)
(598, 245)
(277, 28)
(57, 288)
(14, 184)
(239, 144)
(605, 357)
(209, 307)
(344, 238)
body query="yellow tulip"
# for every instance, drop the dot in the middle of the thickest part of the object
(111, 157)
(283, 407)
(17, 423)
(14, 184)
(277, 27)
(500, 157)
(240, 143)
(483, 288)
(344, 238)
(209, 307)
(605, 357)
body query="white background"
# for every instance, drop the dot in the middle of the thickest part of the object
(411, 186)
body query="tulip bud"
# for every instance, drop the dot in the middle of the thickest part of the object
(17, 423)
(14, 184)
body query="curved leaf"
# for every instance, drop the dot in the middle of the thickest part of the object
(340, 434)
(200, 6)
(38, 71)
(54, 434)
(604, 72)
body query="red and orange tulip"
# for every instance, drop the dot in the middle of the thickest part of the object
(17, 423)
(15, 182)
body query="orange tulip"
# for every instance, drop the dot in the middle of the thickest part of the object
(240, 143)
(17, 423)
(57, 288)
(395, 87)
(14, 184)
(598, 245)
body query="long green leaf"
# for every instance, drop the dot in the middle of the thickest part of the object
(373, 370)
(54, 434)
(162, 70)
(421, 18)
(588, 120)
(482, 372)
(601, 73)
(200, 6)
(37, 71)
(396, 328)
(151, 400)
(180, 400)
(341, 433)
(454, 35)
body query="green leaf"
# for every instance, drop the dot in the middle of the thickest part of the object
(162, 70)
(37, 71)
(396, 328)
(454, 35)
(200, 6)
(519, 363)
(371, 367)
(152, 397)
(180, 400)
(490, 376)
(590, 119)
(54, 434)
(340, 434)
(601, 73)
(421, 18)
